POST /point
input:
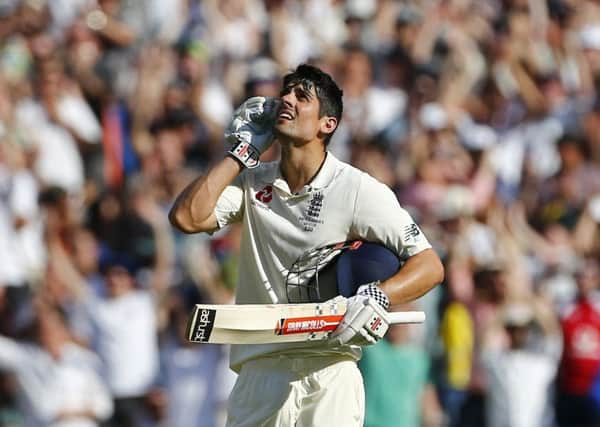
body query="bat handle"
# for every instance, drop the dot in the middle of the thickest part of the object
(396, 317)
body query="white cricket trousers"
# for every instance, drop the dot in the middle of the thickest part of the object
(297, 392)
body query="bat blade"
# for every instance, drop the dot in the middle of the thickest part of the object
(272, 323)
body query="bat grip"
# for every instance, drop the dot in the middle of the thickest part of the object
(396, 317)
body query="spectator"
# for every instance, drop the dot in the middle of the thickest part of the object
(520, 375)
(129, 355)
(457, 334)
(59, 380)
(578, 402)
(483, 116)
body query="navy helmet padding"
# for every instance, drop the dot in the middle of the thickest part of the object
(368, 263)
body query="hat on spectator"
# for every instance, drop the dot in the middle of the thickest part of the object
(517, 314)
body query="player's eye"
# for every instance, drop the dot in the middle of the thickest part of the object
(302, 95)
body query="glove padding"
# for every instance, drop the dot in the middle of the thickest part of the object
(365, 321)
(251, 129)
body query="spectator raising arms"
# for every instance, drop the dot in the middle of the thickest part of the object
(482, 116)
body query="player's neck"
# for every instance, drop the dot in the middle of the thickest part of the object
(299, 165)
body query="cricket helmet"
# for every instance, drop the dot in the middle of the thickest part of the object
(338, 269)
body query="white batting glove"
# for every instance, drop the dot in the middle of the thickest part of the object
(365, 321)
(251, 129)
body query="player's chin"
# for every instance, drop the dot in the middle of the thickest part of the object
(280, 131)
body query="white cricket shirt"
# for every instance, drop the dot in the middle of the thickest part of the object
(341, 203)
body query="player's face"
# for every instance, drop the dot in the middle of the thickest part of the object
(298, 118)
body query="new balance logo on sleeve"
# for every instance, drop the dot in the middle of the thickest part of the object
(411, 233)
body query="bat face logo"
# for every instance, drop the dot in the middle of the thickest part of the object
(202, 325)
(303, 325)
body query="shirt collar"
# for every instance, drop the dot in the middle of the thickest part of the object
(320, 181)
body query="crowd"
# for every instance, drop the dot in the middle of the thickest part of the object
(482, 115)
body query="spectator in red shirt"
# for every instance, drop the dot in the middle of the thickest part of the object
(580, 365)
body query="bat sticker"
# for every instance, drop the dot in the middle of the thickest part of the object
(203, 324)
(302, 325)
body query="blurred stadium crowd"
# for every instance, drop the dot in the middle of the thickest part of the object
(482, 115)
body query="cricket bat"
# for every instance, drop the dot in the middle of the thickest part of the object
(273, 323)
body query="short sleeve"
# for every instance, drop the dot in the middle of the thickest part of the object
(378, 217)
(230, 205)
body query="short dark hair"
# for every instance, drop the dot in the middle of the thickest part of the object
(328, 92)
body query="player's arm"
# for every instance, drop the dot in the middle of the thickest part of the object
(420, 273)
(366, 320)
(193, 210)
(250, 133)
(379, 217)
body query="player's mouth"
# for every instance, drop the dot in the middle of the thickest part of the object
(285, 114)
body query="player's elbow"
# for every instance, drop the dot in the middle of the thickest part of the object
(181, 220)
(435, 268)
(438, 272)
(178, 220)
(184, 222)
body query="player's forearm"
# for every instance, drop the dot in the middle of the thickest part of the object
(193, 209)
(417, 276)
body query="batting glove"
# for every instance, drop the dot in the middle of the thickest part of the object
(251, 129)
(365, 321)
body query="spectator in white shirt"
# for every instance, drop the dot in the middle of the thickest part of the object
(58, 379)
(124, 328)
(520, 376)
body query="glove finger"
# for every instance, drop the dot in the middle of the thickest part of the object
(341, 328)
(346, 336)
(271, 108)
(344, 332)
(255, 108)
(356, 316)
(266, 113)
(254, 103)
(364, 338)
(361, 338)
(363, 316)
(237, 123)
(248, 109)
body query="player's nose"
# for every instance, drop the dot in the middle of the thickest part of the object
(288, 99)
